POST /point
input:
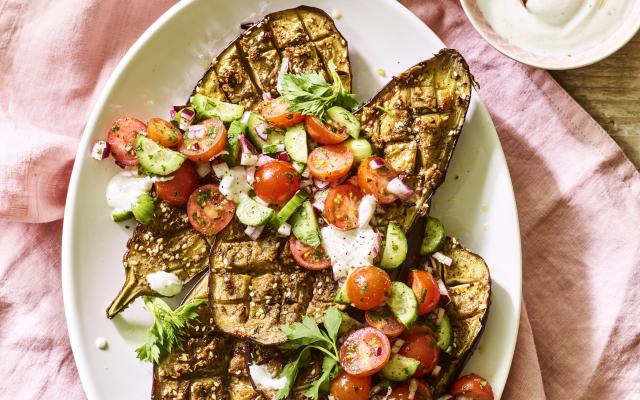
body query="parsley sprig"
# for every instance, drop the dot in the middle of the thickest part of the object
(311, 94)
(168, 325)
(307, 336)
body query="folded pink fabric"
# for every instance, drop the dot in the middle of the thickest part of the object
(577, 198)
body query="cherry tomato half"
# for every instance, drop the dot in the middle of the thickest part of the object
(402, 392)
(277, 112)
(341, 206)
(383, 320)
(330, 163)
(473, 385)
(122, 139)
(177, 191)
(307, 256)
(209, 211)
(374, 181)
(368, 287)
(163, 132)
(349, 387)
(365, 352)
(202, 146)
(324, 133)
(423, 348)
(276, 182)
(426, 290)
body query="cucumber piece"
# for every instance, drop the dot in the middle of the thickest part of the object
(275, 137)
(400, 368)
(287, 211)
(341, 296)
(395, 247)
(349, 324)
(121, 215)
(305, 225)
(236, 129)
(252, 213)
(155, 158)
(361, 148)
(176, 118)
(143, 208)
(445, 334)
(271, 148)
(345, 119)
(433, 236)
(403, 303)
(253, 122)
(207, 107)
(295, 142)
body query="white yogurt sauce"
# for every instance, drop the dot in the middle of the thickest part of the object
(262, 377)
(101, 343)
(555, 27)
(349, 250)
(164, 283)
(125, 187)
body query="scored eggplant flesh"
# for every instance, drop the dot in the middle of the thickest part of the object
(469, 285)
(415, 122)
(167, 243)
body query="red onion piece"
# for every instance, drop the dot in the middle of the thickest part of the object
(397, 345)
(320, 184)
(264, 159)
(319, 199)
(248, 159)
(283, 156)
(366, 209)
(441, 258)
(399, 188)
(251, 175)
(306, 183)
(444, 293)
(413, 388)
(436, 371)
(245, 117)
(254, 231)
(220, 169)
(177, 108)
(100, 150)
(266, 96)
(186, 117)
(172, 114)
(376, 163)
(306, 173)
(247, 147)
(203, 169)
(196, 131)
(261, 130)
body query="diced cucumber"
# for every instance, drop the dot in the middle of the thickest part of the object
(287, 211)
(121, 215)
(143, 208)
(252, 213)
(400, 368)
(445, 334)
(253, 122)
(155, 158)
(433, 236)
(348, 324)
(403, 303)
(295, 142)
(395, 247)
(341, 296)
(236, 129)
(207, 107)
(305, 225)
(298, 166)
(275, 137)
(345, 119)
(361, 148)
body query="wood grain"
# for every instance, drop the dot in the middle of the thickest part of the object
(610, 91)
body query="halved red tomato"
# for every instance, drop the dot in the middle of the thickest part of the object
(426, 290)
(374, 180)
(277, 112)
(368, 287)
(365, 352)
(163, 133)
(202, 145)
(341, 206)
(349, 387)
(122, 139)
(383, 320)
(330, 163)
(324, 133)
(307, 256)
(177, 190)
(276, 182)
(473, 386)
(423, 348)
(209, 211)
(402, 392)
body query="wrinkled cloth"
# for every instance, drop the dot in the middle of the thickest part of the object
(577, 195)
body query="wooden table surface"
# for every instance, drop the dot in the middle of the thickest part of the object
(610, 91)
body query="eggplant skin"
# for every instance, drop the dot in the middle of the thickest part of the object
(415, 122)
(248, 67)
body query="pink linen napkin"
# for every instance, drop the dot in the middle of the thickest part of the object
(577, 198)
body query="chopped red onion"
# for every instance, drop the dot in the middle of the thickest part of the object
(320, 184)
(284, 229)
(379, 209)
(264, 159)
(306, 173)
(436, 371)
(261, 130)
(251, 175)
(260, 201)
(319, 199)
(266, 96)
(283, 156)
(413, 388)
(220, 169)
(399, 188)
(397, 345)
(177, 108)
(322, 221)
(186, 117)
(196, 131)
(245, 117)
(248, 159)
(172, 114)
(441, 258)
(366, 209)
(439, 315)
(203, 169)
(444, 293)
(299, 167)
(246, 145)
(376, 247)
(100, 150)
(254, 231)
(376, 163)
(306, 183)
(284, 67)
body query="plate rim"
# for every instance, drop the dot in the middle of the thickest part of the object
(67, 248)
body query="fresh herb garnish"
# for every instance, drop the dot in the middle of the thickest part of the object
(311, 94)
(166, 332)
(306, 335)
